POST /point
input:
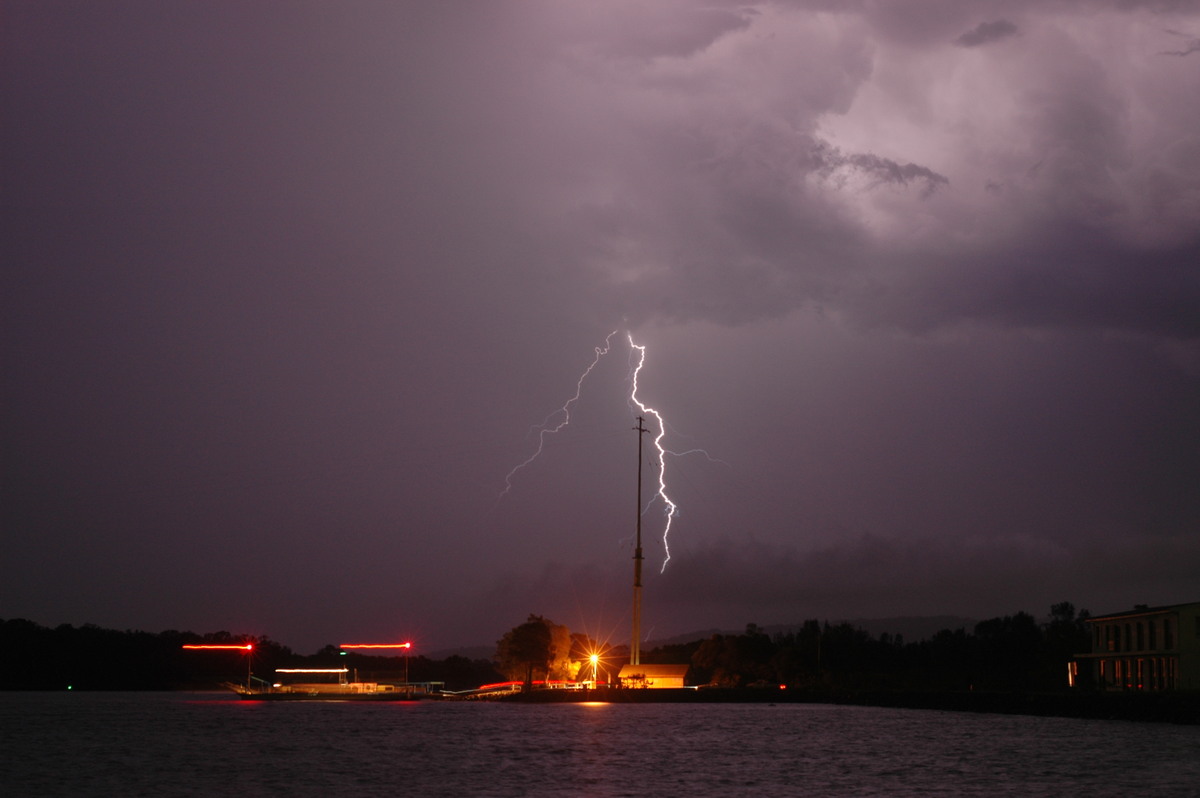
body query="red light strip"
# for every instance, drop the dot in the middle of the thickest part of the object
(246, 647)
(376, 645)
(496, 685)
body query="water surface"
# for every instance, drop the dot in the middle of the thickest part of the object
(198, 744)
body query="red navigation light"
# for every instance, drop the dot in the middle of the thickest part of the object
(375, 645)
(244, 647)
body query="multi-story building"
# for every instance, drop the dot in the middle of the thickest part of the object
(1147, 649)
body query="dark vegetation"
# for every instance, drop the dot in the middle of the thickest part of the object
(1015, 653)
(1012, 664)
(87, 657)
(1012, 653)
(541, 649)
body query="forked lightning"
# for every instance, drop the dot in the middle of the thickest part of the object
(549, 427)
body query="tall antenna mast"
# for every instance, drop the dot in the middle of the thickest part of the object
(635, 645)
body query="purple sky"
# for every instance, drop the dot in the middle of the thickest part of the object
(286, 286)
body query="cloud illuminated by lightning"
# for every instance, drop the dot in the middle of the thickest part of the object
(671, 509)
(544, 429)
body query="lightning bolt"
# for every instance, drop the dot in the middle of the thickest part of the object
(671, 509)
(544, 429)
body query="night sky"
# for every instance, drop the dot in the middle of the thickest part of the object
(288, 288)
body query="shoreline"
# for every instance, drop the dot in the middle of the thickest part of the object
(1177, 708)
(1180, 708)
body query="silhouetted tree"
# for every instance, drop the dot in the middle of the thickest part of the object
(1009, 652)
(536, 645)
(1066, 634)
(460, 673)
(735, 660)
(1066, 631)
(671, 653)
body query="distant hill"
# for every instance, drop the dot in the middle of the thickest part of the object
(469, 652)
(912, 629)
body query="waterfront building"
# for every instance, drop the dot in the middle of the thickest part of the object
(1146, 649)
(653, 676)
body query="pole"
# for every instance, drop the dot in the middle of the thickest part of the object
(635, 644)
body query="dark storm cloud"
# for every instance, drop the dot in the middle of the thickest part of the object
(671, 29)
(1192, 45)
(285, 288)
(829, 161)
(986, 33)
(1075, 131)
(741, 207)
(911, 576)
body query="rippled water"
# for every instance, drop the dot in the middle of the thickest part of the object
(178, 744)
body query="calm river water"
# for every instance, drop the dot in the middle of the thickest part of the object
(201, 744)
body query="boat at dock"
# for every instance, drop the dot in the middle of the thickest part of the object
(256, 689)
(349, 691)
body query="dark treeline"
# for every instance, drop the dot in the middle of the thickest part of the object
(34, 657)
(1012, 653)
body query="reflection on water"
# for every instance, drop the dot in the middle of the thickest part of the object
(178, 744)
